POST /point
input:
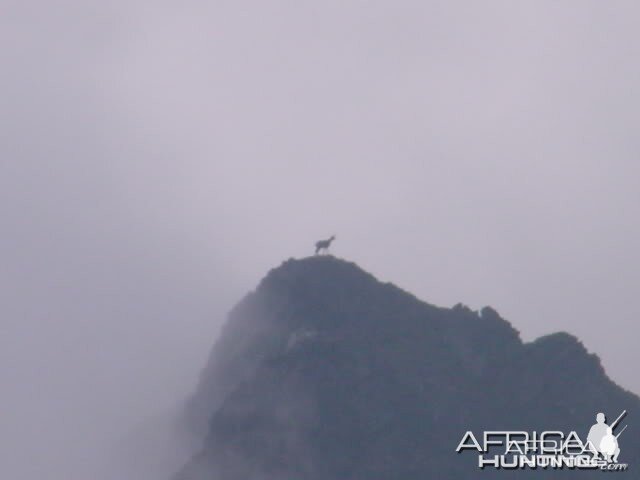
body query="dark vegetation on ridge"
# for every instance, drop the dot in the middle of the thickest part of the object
(325, 373)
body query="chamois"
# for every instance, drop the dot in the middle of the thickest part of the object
(323, 245)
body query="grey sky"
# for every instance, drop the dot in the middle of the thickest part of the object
(158, 158)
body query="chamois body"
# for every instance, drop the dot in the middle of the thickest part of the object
(323, 245)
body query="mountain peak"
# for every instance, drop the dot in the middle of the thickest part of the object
(316, 267)
(322, 370)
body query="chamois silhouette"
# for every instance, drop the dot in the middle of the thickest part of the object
(323, 245)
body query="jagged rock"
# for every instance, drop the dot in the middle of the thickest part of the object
(325, 373)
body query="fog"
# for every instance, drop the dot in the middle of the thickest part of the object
(157, 158)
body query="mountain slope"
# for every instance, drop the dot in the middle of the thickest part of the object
(323, 372)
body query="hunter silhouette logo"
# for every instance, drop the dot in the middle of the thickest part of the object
(601, 439)
(550, 449)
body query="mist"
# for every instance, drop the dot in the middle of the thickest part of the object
(158, 159)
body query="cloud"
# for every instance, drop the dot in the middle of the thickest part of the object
(159, 158)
